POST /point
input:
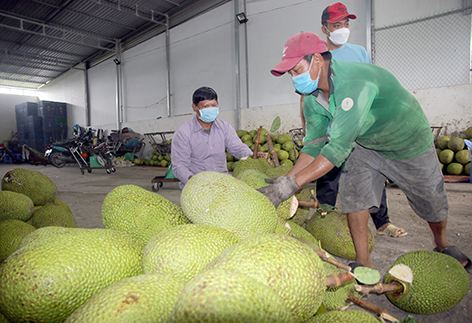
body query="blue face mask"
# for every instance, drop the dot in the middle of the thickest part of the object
(209, 114)
(303, 82)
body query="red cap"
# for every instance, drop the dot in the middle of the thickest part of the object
(336, 12)
(300, 45)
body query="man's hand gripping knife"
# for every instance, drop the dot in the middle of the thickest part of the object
(282, 188)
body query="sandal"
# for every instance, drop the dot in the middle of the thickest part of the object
(392, 231)
(454, 252)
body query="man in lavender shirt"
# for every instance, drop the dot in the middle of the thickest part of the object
(199, 144)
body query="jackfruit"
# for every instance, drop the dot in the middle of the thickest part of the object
(241, 132)
(221, 200)
(37, 186)
(254, 178)
(468, 133)
(283, 227)
(43, 232)
(282, 154)
(52, 214)
(12, 232)
(144, 298)
(141, 213)
(185, 250)
(230, 297)
(439, 282)
(442, 142)
(455, 169)
(467, 169)
(462, 156)
(47, 279)
(289, 267)
(300, 233)
(456, 144)
(332, 230)
(283, 138)
(336, 297)
(351, 316)
(260, 164)
(286, 162)
(14, 205)
(446, 156)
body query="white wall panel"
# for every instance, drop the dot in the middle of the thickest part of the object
(7, 113)
(102, 93)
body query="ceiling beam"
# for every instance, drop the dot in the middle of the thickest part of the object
(50, 31)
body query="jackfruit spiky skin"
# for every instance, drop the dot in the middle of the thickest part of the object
(254, 178)
(15, 205)
(46, 280)
(350, 316)
(336, 297)
(37, 186)
(144, 298)
(221, 200)
(283, 210)
(332, 230)
(281, 170)
(439, 282)
(141, 213)
(283, 228)
(52, 214)
(231, 297)
(185, 250)
(260, 164)
(301, 233)
(64, 205)
(289, 267)
(40, 233)
(12, 232)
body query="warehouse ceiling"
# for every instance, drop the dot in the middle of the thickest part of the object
(42, 39)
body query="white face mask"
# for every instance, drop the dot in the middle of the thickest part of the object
(339, 36)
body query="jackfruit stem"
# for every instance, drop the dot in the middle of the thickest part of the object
(257, 141)
(326, 257)
(382, 312)
(311, 204)
(380, 288)
(272, 151)
(336, 280)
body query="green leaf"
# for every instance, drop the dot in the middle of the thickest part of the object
(275, 124)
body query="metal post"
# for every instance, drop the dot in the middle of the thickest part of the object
(238, 63)
(169, 109)
(246, 59)
(369, 22)
(118, 84)
(86, 97)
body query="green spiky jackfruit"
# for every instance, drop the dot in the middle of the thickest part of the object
(143, 298)
(332, 230)
(336, 297)
(261, 164)
(41, 233)
(439, 282)
(221, 200)
(350, 316)
(52, 214)
(231, 297)
(15, 205)
(37, 186)
(47, 279)
(185, 250)
(12, 232)
(289, 267)
(141, 213)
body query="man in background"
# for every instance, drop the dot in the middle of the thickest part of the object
(200, 144)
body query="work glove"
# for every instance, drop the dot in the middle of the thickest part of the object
(281, 189)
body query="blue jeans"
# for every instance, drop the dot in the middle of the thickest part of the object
(327, 192)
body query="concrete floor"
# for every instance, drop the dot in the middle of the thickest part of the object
(84, 194)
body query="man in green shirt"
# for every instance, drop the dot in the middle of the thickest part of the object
(377, 127)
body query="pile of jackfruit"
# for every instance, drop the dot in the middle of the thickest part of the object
(287, 152)
(225, 254)
(453, 154)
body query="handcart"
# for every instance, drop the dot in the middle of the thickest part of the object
(163, 148)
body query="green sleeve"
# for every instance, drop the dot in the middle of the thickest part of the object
(316, 125)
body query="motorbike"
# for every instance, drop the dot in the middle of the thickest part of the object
(78, 150)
